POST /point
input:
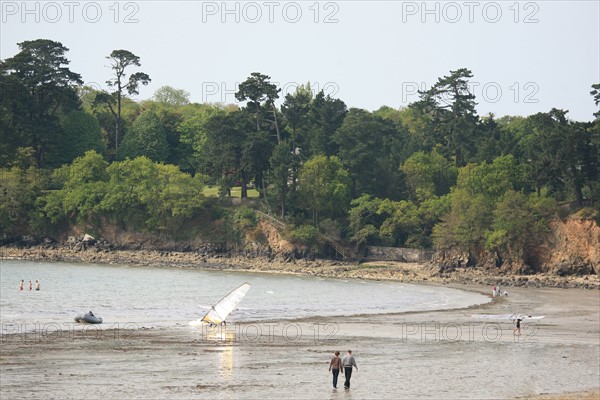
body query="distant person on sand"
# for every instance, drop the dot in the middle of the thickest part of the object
(335, 365)
(505, 293)
(37, 285)
(21, 284)
(518, 328)
(494, 292)
(348, 362)
(30, 286)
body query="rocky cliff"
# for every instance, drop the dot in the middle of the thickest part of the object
(571, 247)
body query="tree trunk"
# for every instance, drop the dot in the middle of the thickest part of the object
(276, 124)
(118, 125)
(244, 185)
(283, 203)
(257, 112)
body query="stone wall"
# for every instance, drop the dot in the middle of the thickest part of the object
(377, 253)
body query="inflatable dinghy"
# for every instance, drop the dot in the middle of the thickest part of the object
(88, 318)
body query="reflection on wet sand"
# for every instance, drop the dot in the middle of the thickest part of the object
(226, 368)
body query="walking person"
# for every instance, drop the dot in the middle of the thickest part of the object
(30, 286)
(518, 328)
(21, 284)
(335, 365)
(37, 285)
(348, 362)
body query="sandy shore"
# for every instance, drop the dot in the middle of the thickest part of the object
(440, 354)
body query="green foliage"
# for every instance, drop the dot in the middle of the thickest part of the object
(37, 88)
(83, 187)
(367, 145)
(398, 223)
(326, 115)
(449, 109)
(488, 209)
(304, 234)
(19, 191)
(145, 138)
(331, 228)
(432, 170)
(138, 193)
(149, 195)
(170, 96)
(283, 164)
(225, 156)
(121, 60)
(466, 223)
(324, 187)
(519, 221)
(364, 220)
(428, 173)
(192, 133)
(245, 218)
(81, 132)
(562, 155)
(491, 180)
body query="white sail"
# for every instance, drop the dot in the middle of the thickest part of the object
(220, 311)
(506, 316)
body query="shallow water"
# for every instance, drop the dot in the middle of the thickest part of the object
(163, 296)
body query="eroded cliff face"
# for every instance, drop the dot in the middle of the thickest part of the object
(571, 247)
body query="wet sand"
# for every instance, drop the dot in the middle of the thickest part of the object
(439, 354)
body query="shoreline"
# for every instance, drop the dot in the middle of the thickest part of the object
(373, 270)
(443, 353)
(555, 359)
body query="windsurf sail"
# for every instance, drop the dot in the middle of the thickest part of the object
(506, 316)
(220, 311)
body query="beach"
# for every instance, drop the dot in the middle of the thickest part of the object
(429, 354)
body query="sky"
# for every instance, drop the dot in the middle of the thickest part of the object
(526, 56)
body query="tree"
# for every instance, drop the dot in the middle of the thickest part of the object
(20, 189)
(81, 132)
(192, 134)
(561, 154)
(256, 151)
(296, 109)
(364, 220)
(368, 147)
(120, 60)
(143, 194)
(222, 153)
(596, 93)
(324, 187)
(473, 200)
(325, 117)
(257, 89)
(39, 88)
(281, 163)
(520, 222)
(450, 107)
(145, 138)
(83, 188)
(170, 96)
(428, 173)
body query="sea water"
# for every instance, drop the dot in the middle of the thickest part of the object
(166, 296)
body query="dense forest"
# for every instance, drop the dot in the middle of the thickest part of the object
(433, 174)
